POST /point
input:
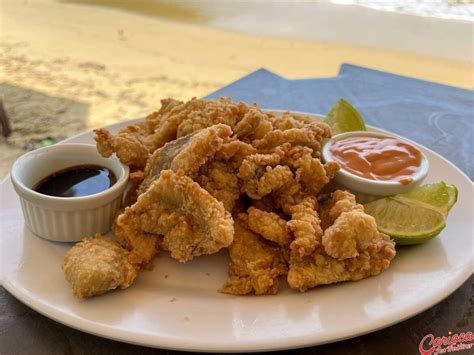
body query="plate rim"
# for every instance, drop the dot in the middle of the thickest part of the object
(248, 346)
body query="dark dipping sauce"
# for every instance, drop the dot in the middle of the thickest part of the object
(77, 181)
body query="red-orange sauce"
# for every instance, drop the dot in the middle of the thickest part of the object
(378, 158)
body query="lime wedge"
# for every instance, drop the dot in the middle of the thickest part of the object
(416, 216)
(343, 117)
(440, 196)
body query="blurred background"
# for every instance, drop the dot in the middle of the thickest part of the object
(67, 66)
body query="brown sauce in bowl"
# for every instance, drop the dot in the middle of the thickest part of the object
(77, 181)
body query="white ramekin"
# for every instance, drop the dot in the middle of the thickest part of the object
(373, 187)
(66, 219)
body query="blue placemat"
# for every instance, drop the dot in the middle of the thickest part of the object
(440, 117)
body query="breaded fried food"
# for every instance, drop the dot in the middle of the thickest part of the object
(197, 114)
(310, 135)
(97, 265)
(292, 120)
(273, 180)
(193, 164)
(234, 152)
(255, 124)
(321, 269)
(191, 221)
(305, 227)
(340, 201)
(134, 143)
(351, 234)
(220, 179)
(255, 265)
(187, 153)
(269, 225)
(352, 249)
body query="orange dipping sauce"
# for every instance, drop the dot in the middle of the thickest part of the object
(378, 158)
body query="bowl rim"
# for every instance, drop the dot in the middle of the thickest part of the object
(416, 178)
(30, 194)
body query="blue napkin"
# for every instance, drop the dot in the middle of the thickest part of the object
(440, 117)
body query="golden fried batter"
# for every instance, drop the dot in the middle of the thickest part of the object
(351, 233)
(305, 226)
(187, 153)
(194, 162)
(313, 174)
(340, 201)
(255, 265)
(321, 269)
(197, 114)
(309, 135)
(234, 152)
(97, 265)
(273, 179)
(191, 221)
(292, 120)
(221, 181)
(255, 124)
(269, 225)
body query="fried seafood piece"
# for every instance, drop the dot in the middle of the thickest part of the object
(197, 114)
(274, 179)
(308, 174)
(321, 269)
(134, 144)
(339, 202)
(313, 174)
(144, 246)
(254, 165)
(351, 233)
(97, 265)
(309, 171)
(305, 227)
(234, 152)
(130, 144)
(351, 249)
(220, 180)
(187, 153)
(291, 120)
(310, 136)
(191, 221)
(184, 118)
(291, 194)
(269, 225)
(255, 265)
(255, 124)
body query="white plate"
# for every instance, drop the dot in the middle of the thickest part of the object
(177, 306)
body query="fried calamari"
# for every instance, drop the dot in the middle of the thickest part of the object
(213, 174)
(97, 265)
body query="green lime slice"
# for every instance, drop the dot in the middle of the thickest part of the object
(343, 117)
(439, 195)
(416, 216)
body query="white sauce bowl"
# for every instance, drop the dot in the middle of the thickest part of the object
(66, 219)
(368, 186)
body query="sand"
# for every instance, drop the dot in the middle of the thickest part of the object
(65, 68)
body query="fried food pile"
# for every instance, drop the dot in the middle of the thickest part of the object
(214, 174)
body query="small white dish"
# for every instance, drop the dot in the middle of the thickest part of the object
(66, 219)
(368, 186)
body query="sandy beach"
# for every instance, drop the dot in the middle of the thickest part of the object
(66, 67)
